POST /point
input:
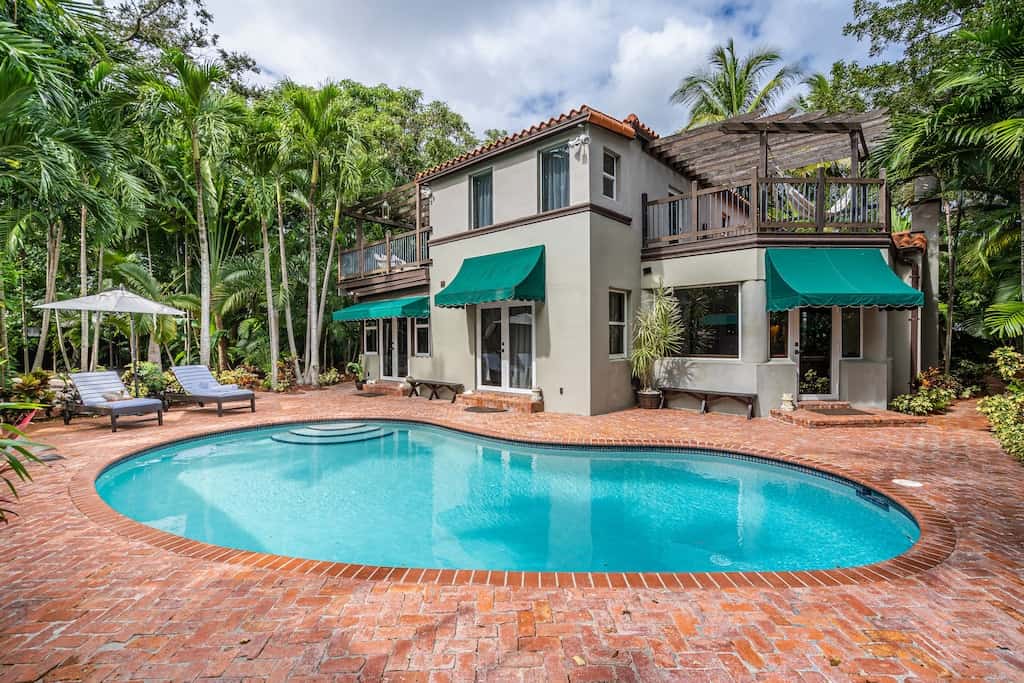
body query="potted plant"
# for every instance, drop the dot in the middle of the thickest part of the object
(657, 332)
(356, 369)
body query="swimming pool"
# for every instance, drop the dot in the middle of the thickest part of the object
(403, 494)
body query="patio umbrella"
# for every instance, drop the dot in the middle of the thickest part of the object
(117, 301)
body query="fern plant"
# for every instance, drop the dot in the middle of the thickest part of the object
(657, 333)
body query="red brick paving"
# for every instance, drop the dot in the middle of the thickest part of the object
(82, 601)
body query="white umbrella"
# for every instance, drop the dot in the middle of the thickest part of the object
(117, 301)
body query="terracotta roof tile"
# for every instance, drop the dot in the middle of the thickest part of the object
(910, 240)
(629, 128)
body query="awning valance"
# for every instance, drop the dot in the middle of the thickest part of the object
(505, 276)
(834, 277)
(407, 307)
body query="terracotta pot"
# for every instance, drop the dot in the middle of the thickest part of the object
(359, 385)
(650, 400)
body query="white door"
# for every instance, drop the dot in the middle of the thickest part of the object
(505, 347)
(394, 348)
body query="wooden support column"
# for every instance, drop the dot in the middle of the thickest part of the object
(755, 202)
(643, 216)
(387, 251)
(694, 214)
(359, 245)
(419, 226)
(854, 155)
(883, 202)
(819, 201)
(762, 159)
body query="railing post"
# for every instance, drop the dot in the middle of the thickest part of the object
(819, 201)
(359, 244)
(694, 214)
(755, 202)
(883, 203)
(643, 216)
(418, 224)
(387, 251)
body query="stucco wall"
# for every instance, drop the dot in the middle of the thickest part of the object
(639, 172)
(515, 185)
(562, 322)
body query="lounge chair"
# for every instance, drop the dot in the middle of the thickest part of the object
(95, 395)
(201, 387)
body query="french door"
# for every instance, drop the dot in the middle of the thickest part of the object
(394, 348)
(817, 352)
(505, 347)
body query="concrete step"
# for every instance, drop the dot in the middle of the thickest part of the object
(334, 426)
(297, 439)
(323, 433)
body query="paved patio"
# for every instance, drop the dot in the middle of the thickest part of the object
(79, 600)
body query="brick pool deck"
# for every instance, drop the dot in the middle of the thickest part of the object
(84, 596)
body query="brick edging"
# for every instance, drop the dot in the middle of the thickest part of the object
(936, 541)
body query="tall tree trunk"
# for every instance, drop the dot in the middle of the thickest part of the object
(5, 360)
(54, 236)
(95, 356)
(286, 290)
(204, 255)
(222, 344)
(60, 344)
(83, 286)
(188, 314)
(312, 343)
(1020, 188)
(24, 318)
(153, 349)
(327, 267)
(952, 236)
(271, 310)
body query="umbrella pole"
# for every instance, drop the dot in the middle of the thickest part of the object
(135, 351)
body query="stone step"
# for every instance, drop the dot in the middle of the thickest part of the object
(334, 426)
(322, 433)
(823, 405)
(296, 439)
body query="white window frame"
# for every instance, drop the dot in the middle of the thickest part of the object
(504, 306)
(540, 177)
(373, 325)
(614, 176)
(624, 325)
(472, 209)
(416, 327)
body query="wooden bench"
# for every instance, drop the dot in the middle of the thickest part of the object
(707, 397)
(435, 385)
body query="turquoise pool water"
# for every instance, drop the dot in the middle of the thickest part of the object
(399, 494)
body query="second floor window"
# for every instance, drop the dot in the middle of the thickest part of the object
(554, 178)
(481, 199)
(610, 175)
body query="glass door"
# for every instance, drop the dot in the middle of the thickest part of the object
(506, 349)
(394, 348)
(817, 360)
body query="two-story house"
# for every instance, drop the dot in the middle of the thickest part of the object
(520, 265)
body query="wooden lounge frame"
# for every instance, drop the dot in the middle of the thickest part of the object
(435, 386)
(707, 397)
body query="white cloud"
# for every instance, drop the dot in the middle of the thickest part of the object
(509, 65)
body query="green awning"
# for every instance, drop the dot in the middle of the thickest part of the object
(407, 307)
(834, 277)
(505, 276)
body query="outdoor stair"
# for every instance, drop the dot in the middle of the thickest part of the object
(329, 435)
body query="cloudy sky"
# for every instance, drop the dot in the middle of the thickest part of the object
(511, 64)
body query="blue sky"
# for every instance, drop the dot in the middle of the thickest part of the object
(509, 65)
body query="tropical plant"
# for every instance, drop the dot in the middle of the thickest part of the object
(17, 453)
(657, 333)
(734, 85)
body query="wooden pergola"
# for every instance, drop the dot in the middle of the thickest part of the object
(720, 153)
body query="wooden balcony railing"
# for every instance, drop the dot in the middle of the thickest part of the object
(780, 205)
(394, 252)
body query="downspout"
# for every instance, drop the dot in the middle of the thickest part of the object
(915, 313)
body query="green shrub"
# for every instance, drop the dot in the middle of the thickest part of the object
(245, 376)
(329, 376)
(812, 383)
(1005, 413)
(924, 401)
(971, 373)
(151, 379)
(1010, 366)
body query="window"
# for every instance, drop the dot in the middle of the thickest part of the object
(778, 334)
(617, 324)
(421, 336)
(851, 332)
(370, 338)
(481, 199)
(710, 317)
(554, 178)
(610, 175)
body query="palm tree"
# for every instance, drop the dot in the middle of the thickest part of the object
(205, 114)
(828, 93)
(318, 127)
(733, 86)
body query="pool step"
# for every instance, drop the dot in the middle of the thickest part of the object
(290, 438)
(320, 433)
(335, 426)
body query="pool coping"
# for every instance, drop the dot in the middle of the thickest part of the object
(936, 541)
